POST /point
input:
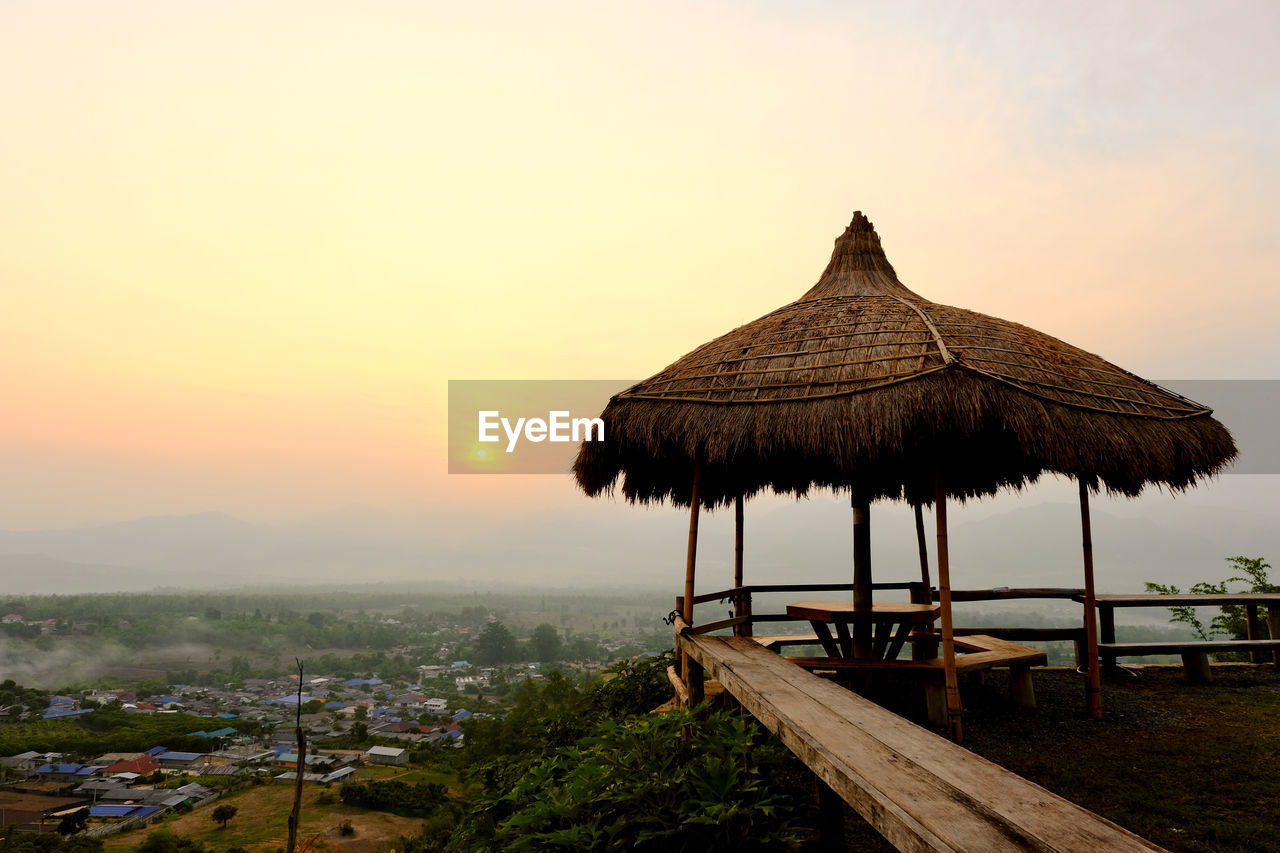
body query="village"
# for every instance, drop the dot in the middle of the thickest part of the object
(378, 722)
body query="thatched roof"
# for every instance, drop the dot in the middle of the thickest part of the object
(860, 379)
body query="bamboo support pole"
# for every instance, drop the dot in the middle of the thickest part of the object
(923, 546)
(954, 708)
(922, 649)
(691, 669)
(1093, 694)
(862, 594)
(737, 541)
(742, 604)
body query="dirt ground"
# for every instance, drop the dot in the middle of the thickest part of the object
(1191, 767)
(261, 824)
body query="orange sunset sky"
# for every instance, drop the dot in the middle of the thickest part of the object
(246, 244)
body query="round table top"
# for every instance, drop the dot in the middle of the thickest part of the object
(880, 611)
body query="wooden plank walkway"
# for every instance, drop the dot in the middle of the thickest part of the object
(919, 790)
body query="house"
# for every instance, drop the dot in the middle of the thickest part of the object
(60, 712)
(436, 706)
(66, 772)
(184, 761)
(462, 682)
(290, 759)
(27, 762)
(113, 813)
(142, 765)
(387, 755)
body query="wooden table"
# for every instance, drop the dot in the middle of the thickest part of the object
(887, 622)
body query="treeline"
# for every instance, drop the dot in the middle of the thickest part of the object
(417, 800)
(112, 730)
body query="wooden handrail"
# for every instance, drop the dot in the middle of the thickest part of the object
(751, 589)
(1004, 593)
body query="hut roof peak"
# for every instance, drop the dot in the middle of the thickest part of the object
(859, 267)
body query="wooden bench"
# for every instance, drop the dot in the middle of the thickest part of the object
(1195, 653)
(773, 641)
(974, 653)
(919, 790)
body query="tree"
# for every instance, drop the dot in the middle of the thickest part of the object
(73, 822)
(545, 643)
(223, 813)
(495, 644)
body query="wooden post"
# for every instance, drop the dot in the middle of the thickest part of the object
(737, 541)
(1093, 688)
(1273, 625)
(1107, 627)
(1252, 632)
(743, 602)
(861, 572)
(924, 549)
(690, 669)
(954, 708)
(922, 649)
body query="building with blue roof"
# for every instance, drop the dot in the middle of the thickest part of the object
(60, 712)
(120, 812)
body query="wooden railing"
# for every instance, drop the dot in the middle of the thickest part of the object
(743, 616)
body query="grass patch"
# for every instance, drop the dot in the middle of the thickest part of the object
(261, 824)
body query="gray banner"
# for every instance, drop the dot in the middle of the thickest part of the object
(517, 426)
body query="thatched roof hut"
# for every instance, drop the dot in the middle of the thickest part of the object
(863, 385)
(862, 379)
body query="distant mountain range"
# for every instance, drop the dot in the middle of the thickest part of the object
(603, 544)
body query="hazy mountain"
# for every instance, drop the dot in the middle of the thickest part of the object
(604, 544)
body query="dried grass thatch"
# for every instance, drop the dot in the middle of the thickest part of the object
(861, 380)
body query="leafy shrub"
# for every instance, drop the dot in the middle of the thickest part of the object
(652, 782)
(418, 799)
(1232, 620)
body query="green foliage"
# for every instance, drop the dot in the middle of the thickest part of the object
(165, 840)
(346, 829)
(591, 769)
(545, 643)
(73, 822)
(555, 714)
(417, 800)
(495, 644)
(109, 730)
(1232, 620)
(13, 841)
(650, 782)
(223, 814)
(17, 697)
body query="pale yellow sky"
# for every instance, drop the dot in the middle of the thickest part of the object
(247, 244)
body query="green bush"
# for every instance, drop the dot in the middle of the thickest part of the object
(1232, 620)
(651, 782)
